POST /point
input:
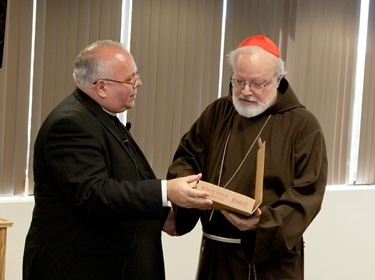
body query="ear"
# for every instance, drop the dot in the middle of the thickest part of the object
(101, 89)
(279, 78)
(230, 89)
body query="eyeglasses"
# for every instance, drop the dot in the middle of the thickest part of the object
(136, 84)
(253, 86)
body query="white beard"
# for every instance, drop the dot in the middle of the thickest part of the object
(253, 110)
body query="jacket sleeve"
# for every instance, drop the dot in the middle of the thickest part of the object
(93, 173)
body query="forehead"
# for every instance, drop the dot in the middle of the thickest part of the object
(254, 65)
(120, 60)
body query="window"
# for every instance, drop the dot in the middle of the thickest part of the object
(180, 47)
(32, 83)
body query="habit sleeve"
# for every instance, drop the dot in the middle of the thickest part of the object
(283, 222)
(191, 157)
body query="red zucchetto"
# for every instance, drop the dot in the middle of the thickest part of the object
(261, 41)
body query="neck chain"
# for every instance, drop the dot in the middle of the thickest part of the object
(242, 162)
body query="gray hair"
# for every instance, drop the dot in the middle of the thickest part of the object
(232, 56)
(89, 66)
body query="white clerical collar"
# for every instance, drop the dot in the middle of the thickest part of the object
(108, 112)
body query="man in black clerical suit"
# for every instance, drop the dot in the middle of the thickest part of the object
(99, 210)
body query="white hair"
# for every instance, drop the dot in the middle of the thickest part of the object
(89, 66)
(232, 56)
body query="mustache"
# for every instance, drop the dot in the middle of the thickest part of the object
(248, 98)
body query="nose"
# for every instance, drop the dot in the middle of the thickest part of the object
(137, 83)
(247, 90)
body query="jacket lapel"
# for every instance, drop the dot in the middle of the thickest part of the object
(143, 167)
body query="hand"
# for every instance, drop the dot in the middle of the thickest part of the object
(181, 192)
(170, 225)
(243, 223)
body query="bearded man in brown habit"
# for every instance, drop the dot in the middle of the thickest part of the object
(221, 145)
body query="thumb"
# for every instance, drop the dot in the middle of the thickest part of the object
(192, 178)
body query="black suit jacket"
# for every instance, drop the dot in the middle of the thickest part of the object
(98, 214)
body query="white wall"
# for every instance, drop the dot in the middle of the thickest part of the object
(19, 212)
(339, 243)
